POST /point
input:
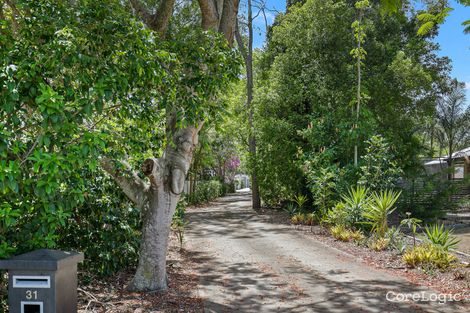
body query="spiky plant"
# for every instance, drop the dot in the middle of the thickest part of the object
(377, 211)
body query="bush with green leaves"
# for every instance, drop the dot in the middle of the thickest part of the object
(206, 191)
(379, 169)
(179, 222)
(325, 183)
(106, 227)
(70, 89)
(349, 211)
(429, 257)
(381, 205)
(412, 223)
(355, 204)
(439, 236)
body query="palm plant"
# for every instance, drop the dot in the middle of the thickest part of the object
(441, 237)
(378, 209)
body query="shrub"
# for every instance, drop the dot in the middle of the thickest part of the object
(357, 235)
(412, 223)
(106, 227)
(179, 223)
(335, 215)
(310, 219)
(428, 255)
(379, 244)
(206, 191)
(324, 184)
(380, 170)
(441, 237)
(290, 209)
(355, 204)
(298, 219)
(378, 209)
(300, 200)
(396, 239)
(341, 233)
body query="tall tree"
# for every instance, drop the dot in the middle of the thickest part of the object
(166, 175)
(453, 119)
(359, 54)
(247, 53)
(83, 80)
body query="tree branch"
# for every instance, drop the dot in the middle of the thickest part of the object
(130, 183)
(241, 45)
(153, 169)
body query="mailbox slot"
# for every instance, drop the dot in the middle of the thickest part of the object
(31, 281)
(31, 307)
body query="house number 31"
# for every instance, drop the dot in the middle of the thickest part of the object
(31, 295)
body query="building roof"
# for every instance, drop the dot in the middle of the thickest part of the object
(459, 154)
(462, 153)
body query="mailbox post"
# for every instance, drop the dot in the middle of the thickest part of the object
(42, 281)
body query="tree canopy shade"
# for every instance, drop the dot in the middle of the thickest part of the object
(87, 84)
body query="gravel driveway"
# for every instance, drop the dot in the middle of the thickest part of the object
(247, 264)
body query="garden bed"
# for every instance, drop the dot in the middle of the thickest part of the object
(109, 294)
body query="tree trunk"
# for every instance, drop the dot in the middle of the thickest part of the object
(167, 176)
(157, 201)
(151, 271)
(256, 201)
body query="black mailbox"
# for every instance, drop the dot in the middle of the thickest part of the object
(42, 281)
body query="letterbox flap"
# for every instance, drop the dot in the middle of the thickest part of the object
(43, 259)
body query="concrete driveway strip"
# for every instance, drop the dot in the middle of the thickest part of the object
(247, 264)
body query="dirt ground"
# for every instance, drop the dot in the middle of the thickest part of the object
(464, 235)
(109, 295)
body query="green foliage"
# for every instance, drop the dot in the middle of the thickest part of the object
(291, 209)
(106, 227)
(441, 237)
(430, 20)
(303, 218)
(412, 223)
(325, 183)
(84, 79)
(380, 206)
(179, 223)
(380, 169)
(297, 219)
(396, 239)
(300, 200)
(206, 191)
(342, 233)
(379, 244)
(62, 73)
(303, 99)
(355, 204)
